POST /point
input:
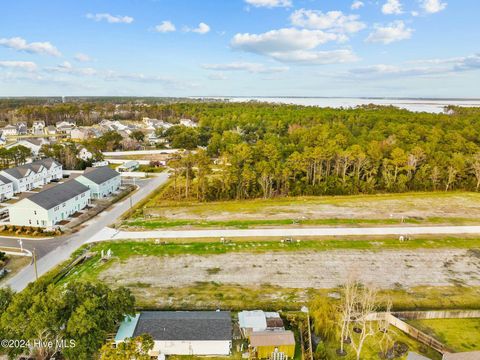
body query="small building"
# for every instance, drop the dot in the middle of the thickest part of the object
(188, 123)
(264, 344)
(102, 181)
(65, 126)
(49, 207)
(258, 320)
(80, 134)
(50, 130)
(38, 127)
(85, 154)
(10, 130)
(194, 333)
(471, 355)
(129, 166)
(33, 144)
(22, 128)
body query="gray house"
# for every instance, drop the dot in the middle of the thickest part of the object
(102, 181)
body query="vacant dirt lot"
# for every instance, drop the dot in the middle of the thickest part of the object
(385, 269)
(394, 206)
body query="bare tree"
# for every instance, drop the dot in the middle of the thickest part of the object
(361, 327)
(347, 309)
(476, 169)
(386, 341)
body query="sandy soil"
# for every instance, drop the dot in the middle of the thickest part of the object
(385, 269)
(454, 206)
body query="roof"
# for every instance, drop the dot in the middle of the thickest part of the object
(415, 356)
(472, 355)
(4, 180)
(57, 195)
(272, 338)
(130, 163)
(21, 171)
(127, 327)
(100, 174)
(255, 320)
(185, 325)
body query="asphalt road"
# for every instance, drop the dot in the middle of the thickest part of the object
(52, 252)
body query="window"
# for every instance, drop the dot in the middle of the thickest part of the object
(35, 212)
(30, 222)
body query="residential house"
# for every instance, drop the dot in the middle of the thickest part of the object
(264, 344)
(38, 127)
(102, 181)
(10, 130)
(154, 124)
(33, 144)
(33, 175)
(188, 123)
(129, 166)
(80, 134)
(6, 188)
(3, 139)
(84, 154)
(51, 206)
(22, 128)
(50, 130)
(65, 127)
(194, 333)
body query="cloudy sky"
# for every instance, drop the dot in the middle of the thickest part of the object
(427, 48)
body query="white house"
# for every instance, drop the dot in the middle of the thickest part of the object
(10, 130)
(102, 181)
(65, 126)
(80, 134)
(33, 175)
(84, 154)
(129, 166)
(194, 333)
(33, 144)
(38, 127)
(22, 128)
(6, 188)
(48, 207)
(188, 123)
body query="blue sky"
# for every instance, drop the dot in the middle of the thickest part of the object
(403, 48)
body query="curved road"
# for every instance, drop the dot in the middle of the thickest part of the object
(54, 251)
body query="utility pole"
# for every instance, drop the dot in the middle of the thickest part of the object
(35, 264)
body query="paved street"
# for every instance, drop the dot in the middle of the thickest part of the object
(53, 252)
(111, 234)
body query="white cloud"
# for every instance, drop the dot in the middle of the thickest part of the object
(390, 33)
(269, 3)
(254, 68)
(112, 19)
(333, 20)
(217, 76)
(165, 27)
(433, 6)
(357, 5)
(20, 44)
(392, 7)
(82, 57)
(292, 45)
(201, 29)
(20, 65)
(67, 68)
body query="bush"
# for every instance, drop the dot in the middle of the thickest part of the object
(320, 352)
(3, 256)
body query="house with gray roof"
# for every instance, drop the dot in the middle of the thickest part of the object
(33, 175)
(6, 188)
(49, 207)
(102, 181)
(198, 333)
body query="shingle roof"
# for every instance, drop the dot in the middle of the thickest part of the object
(100, 174)
(272, 338)
(185, 325)
(5, 180)
(58, 194)
(19, 172)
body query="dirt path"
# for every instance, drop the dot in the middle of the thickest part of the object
(385, 269)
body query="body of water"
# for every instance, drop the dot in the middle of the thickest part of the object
(417, 105)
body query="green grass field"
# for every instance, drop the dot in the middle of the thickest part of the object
(455, 208)
(458, 334)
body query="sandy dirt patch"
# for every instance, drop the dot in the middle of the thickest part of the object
(385, 269)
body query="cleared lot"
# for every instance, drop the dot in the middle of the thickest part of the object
(385, 269)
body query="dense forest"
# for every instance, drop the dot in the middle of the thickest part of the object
(271, 150)
(264, 150)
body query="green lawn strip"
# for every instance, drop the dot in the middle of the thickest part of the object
(245, 224)
(458, 334)
(255, 205)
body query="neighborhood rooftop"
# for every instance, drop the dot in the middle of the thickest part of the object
(20, 171)
(99, 174)
(185, 325)
(268, 338)
(57, 195)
